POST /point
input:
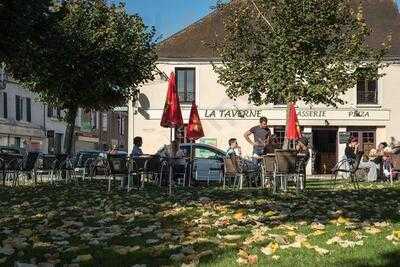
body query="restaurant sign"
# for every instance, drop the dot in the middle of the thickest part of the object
(279, 114)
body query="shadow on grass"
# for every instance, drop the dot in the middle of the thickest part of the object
(390, 259)
(90, 202)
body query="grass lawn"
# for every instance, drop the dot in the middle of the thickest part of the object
(84, 226)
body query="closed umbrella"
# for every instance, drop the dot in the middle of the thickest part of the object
(172, 115)
(194, 131)
(293, 128)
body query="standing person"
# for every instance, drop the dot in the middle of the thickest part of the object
(261, 135)
(137, 144)
(234, 149)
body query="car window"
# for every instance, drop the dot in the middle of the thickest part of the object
(202, 152)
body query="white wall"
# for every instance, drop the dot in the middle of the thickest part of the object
(211, 95)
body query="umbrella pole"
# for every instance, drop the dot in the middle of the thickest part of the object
(191, 163)
(170, 166)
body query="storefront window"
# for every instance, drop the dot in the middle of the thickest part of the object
(186, 84)
(366, 139)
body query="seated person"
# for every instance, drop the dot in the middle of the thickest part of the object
(353, 154)
(351, 151)
(137, 150)
(386, 163)
(234, 149)
(375, 155)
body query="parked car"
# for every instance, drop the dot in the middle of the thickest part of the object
(208, 161)
(10, 150)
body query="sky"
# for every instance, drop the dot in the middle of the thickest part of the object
(171, 16)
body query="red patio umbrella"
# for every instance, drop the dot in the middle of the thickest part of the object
(172, 115)
(195, 129)
(293, 128)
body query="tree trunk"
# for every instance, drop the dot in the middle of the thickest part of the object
(69, 132)
(286, 141)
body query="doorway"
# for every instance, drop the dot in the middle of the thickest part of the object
(325, 149)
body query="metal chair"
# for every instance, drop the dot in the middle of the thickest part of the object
(27, 166)
(285, 167)
(137, 168)
(117, 167)
(82, 163)
(347, 166)
(44, 165)
(10, 167)
(231, 170)
(267, 169)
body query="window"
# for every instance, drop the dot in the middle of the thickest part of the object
(23, 108)
(49, 111)
(201, 152)
(53, 112)
(279, 133)
(17, 142)
(367, 91)
(58, 143)
(185, 84)
(28, 109)
(366, 139)
(104, 122)
(94, 119)
(19, 108)
(122, 126)
(4, 109)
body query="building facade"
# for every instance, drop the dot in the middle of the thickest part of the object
(370, 112)
(27, 123)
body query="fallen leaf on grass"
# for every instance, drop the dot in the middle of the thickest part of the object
(318, 232)
(270, 249)
(381, 224)
(372, 230)
(230, 237)
(245, 258)
(317, 226)
(275, 257)
(240, 214)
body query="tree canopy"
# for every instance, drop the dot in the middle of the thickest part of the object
(291, 50)
(90, 55)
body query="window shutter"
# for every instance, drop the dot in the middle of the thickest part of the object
(5, 111)
(17, 108)
(28, 110)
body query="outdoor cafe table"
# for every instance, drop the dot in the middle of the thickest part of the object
(6, 158)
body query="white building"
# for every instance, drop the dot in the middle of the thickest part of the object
(370, 112)
(24, 119)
